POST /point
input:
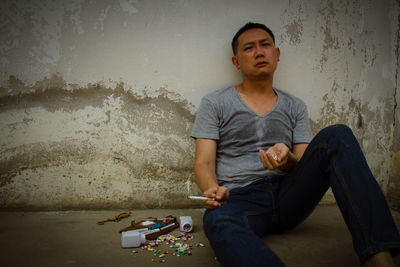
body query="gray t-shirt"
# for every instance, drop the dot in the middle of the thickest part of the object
(240, 133)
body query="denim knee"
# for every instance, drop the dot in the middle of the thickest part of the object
(337, 130)
(336, 133)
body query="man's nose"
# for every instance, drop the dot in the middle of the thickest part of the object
(259, 51)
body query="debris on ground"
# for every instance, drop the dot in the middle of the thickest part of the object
(117, 218)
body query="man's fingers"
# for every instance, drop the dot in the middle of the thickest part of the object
(264, 159)
(211, 204)
(268, 165)
(219, 193)
(222, 193)
(271, 159)
(211, 192)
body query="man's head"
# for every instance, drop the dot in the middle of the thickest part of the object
(255, 52)
(249, 26)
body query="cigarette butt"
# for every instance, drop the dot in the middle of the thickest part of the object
(200, 198)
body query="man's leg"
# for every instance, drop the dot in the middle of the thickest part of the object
(334, 159)
(234, 229)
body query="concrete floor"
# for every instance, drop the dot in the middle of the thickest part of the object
(72, 238)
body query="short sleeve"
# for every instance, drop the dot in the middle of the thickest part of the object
(206, 124)
(302, 131)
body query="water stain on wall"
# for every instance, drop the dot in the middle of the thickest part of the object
(65, 146)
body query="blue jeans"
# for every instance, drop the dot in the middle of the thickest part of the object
(274, 204)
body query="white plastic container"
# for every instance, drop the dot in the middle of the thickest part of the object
(132, 239)
(186, 224)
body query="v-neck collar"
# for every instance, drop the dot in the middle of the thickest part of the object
(250, 109)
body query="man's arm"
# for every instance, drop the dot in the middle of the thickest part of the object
(204, 172)
(295, 156)
(279, 156)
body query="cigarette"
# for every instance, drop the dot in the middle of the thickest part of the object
(167, 226)
(200, 198)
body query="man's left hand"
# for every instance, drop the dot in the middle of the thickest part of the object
(275, 157)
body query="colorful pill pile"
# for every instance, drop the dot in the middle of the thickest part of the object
(178, 243)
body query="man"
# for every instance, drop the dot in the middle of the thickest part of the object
(255, 156)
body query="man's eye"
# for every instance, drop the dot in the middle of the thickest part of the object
(247, 48)
(266, 44)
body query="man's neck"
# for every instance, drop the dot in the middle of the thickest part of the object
(257, 87)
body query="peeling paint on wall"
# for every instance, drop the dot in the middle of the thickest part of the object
(362, 118)
(293, 23)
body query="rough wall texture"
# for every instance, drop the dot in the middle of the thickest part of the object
(97, 98)
(93, 147)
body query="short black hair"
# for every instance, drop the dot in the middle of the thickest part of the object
(249, 26)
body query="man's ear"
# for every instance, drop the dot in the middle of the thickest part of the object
(235, 62)
(278, 52)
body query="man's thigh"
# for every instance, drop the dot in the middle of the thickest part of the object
(251, 206)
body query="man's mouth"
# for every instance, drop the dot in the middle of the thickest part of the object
(261, 64)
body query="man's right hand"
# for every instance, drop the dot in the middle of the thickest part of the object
(219, 193)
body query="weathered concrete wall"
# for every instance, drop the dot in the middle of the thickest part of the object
(94, 147)
(98, 98)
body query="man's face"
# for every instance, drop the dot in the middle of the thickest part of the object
(256, 55)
